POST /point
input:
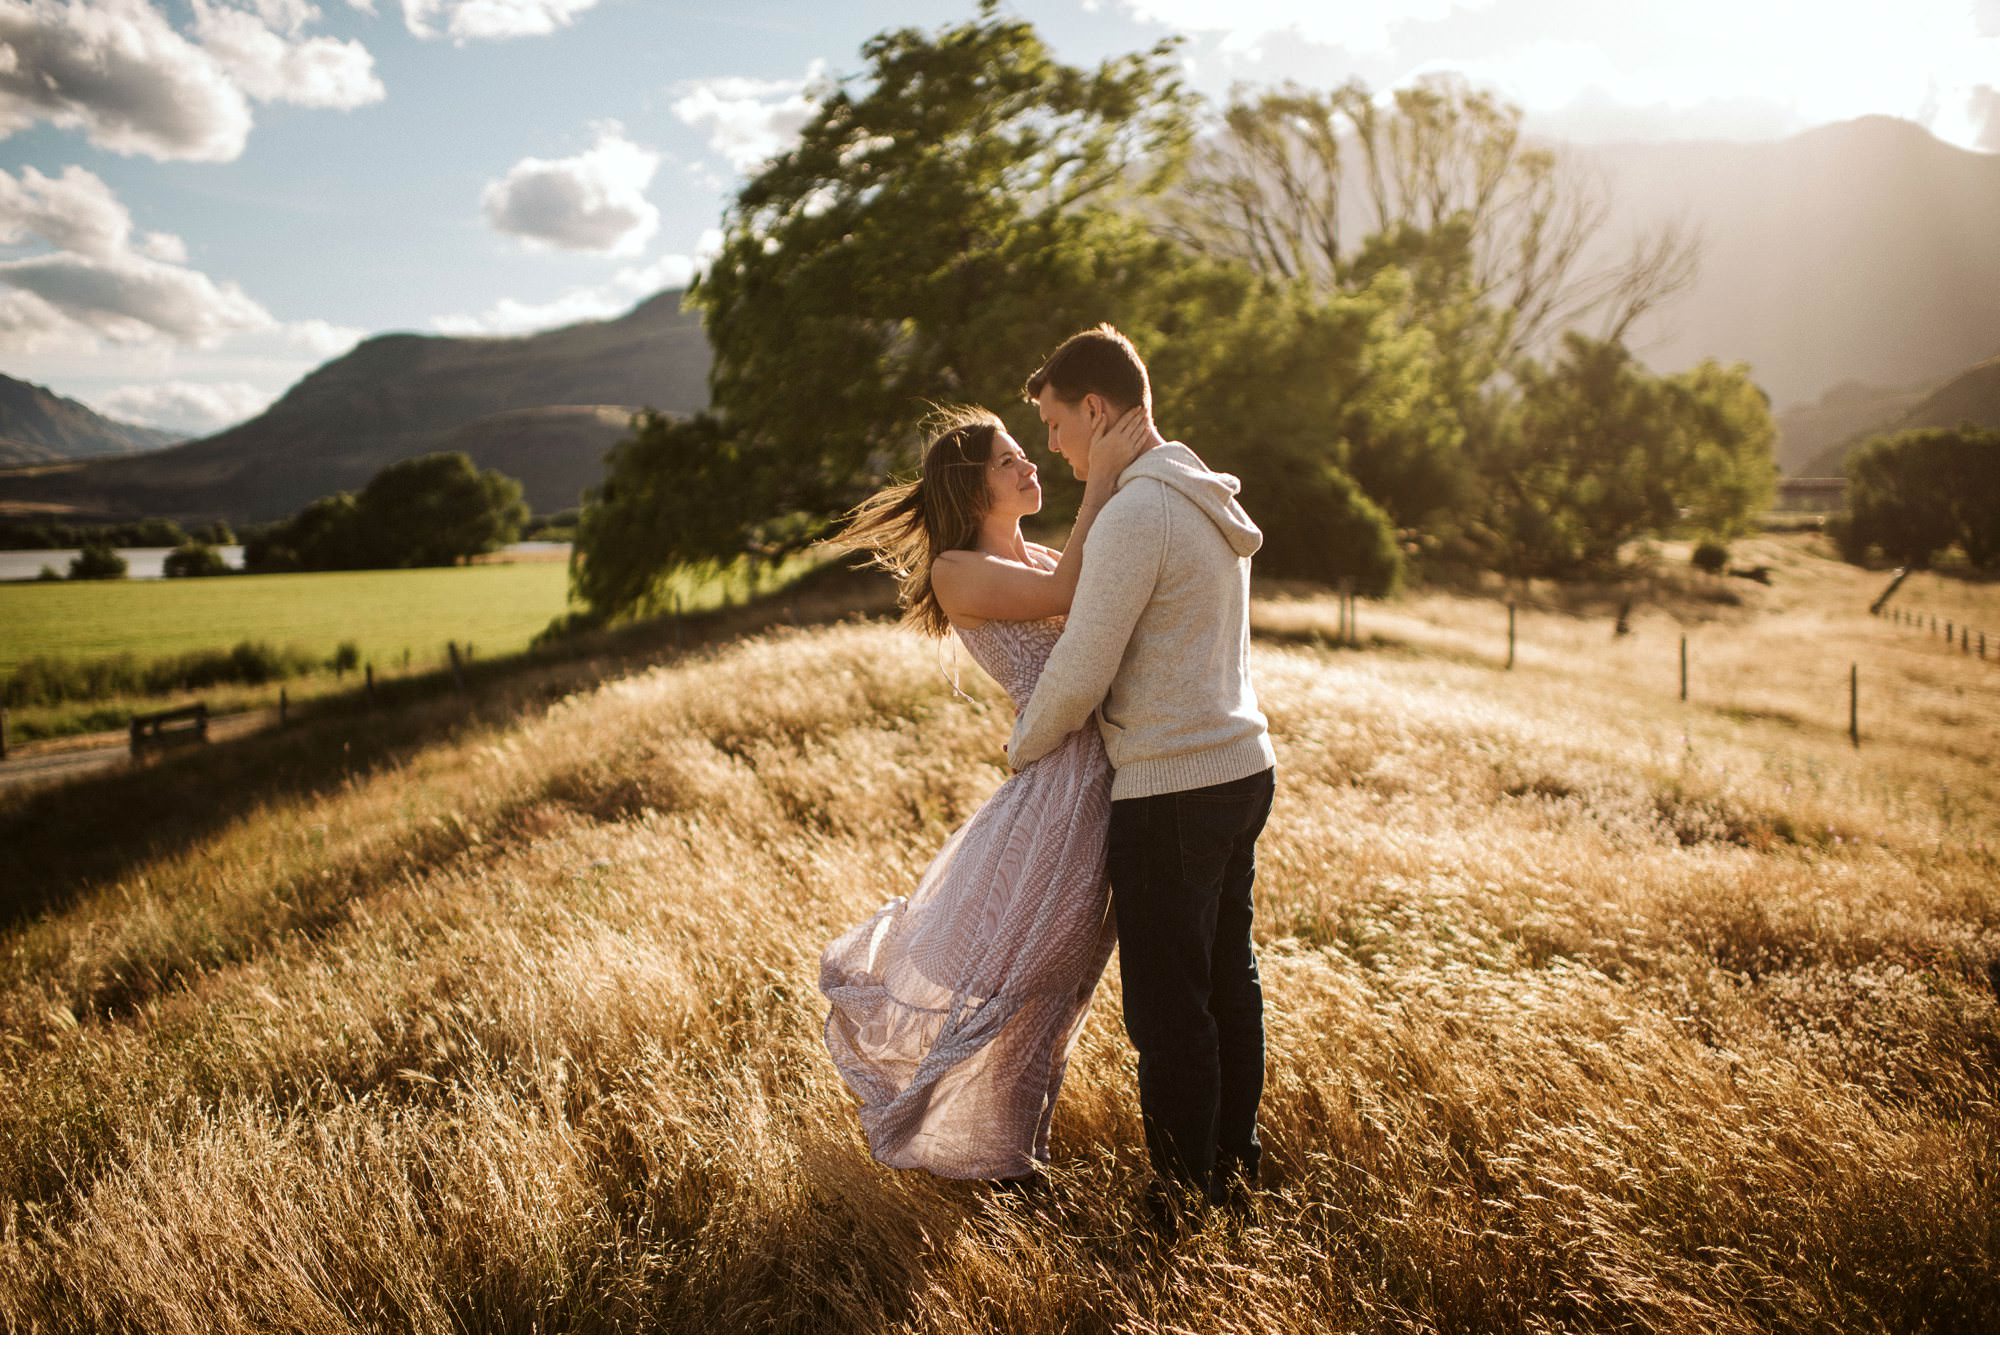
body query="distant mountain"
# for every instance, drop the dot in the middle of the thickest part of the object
(556, 452)
(1970, 396)
(40, 427)
(403, 394)
(1806, 431)
(1866, 249)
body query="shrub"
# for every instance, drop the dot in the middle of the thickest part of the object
(97, 562)
(195, 559)
(346, 656)
(1711, 556)
(1320, 526)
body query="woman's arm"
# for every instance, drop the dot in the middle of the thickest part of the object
(979, 586)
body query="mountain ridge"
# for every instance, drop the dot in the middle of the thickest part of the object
(41, 426)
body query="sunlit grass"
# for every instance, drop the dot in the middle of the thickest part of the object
(1588, 1009)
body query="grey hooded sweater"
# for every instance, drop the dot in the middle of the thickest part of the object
(1158, 639)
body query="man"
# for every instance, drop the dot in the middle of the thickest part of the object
(1158, 647)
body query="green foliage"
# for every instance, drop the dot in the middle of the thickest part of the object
(432, 511)
(1320, 526)
(346, 657)
(1597, 451)
(46, 681)
(945, 220)
(194, 559)
(438, 510)
(1710, 557)
(97, 562)
(1917, 493)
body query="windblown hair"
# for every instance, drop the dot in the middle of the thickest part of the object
(907, 524)
(1098, 360)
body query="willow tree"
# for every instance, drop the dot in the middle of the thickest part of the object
(1307, 184)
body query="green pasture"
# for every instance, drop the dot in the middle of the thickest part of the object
(497, 607)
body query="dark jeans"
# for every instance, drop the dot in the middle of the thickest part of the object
(1182, 867)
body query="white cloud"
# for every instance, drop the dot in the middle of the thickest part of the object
(749, 121)
(1356, 25)
(116, 70)
(94, 284)
(75, 211)
(321, 338)
(467, 20)
(1591, 71)
(264, 54)
(594, 202)
(627, 286)
(183, 405)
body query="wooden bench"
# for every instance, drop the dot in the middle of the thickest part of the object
(181, 726)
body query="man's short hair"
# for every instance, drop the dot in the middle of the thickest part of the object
(1099, 360)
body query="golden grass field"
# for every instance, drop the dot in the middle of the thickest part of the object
(1588, 1009)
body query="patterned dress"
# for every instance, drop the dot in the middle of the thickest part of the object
(955, 1008)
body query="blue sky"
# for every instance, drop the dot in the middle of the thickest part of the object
(202, 200)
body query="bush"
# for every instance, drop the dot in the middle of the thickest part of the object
(97, 562)
(1320, 526)
(346, 656)
(1711, 557)
(48, 680)
(195, 559)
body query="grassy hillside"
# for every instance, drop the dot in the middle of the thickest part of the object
(1588, 1009)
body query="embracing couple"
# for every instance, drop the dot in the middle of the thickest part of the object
(1142, 767)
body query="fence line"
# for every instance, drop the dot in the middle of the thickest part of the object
(1955, 633)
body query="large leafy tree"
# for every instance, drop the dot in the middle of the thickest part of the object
(943, 220)
(1596, 450)
(1920, 491)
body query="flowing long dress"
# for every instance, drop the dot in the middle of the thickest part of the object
(955, 1008)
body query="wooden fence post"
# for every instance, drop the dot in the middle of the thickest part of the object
(284, 706)
(368, 671)
(1965, 639)
(457, 665)
(1854, 704)
(3, 726)
(1684, 667)
(1947, 632)
(1510, 634)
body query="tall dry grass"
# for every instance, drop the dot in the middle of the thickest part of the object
(1588, 1010)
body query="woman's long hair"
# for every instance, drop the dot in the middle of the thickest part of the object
(907, 524)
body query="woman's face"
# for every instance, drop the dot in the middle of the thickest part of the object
(1013, 488)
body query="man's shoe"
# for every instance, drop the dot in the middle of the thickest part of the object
(1167, 1211)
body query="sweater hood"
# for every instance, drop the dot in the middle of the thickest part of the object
(1176, 465)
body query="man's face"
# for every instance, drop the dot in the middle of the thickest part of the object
(1070, 426)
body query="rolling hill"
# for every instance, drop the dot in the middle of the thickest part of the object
(1862, 250)
(543, 407)
(1970, 396)
(38, 426)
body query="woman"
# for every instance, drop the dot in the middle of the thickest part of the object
(955, 1009)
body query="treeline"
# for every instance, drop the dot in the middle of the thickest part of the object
(50, 535)
(1915, 496)
(1447, 388)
